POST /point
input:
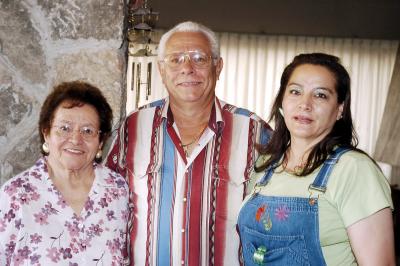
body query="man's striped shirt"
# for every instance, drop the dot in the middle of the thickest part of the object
(185, 209)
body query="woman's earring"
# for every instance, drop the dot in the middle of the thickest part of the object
(45, 148)
(99, 154)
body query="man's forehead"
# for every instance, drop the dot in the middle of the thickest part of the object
(188, 41)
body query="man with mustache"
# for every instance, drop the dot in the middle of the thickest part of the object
(187, 158)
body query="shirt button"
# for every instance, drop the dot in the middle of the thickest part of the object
(184, 199)
(80, 226)
(182, 262)
(183, 230)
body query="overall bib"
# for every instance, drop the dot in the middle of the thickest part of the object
(284, 230)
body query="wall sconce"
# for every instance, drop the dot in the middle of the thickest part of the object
(142, 21)
(142, 52)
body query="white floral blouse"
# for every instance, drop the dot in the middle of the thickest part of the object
(37, 227)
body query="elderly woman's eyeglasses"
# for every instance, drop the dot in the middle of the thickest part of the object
(197, 59)
(86, 132)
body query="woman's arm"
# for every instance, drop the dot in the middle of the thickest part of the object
(372, 239)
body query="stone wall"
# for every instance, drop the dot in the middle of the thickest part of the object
(45, 42)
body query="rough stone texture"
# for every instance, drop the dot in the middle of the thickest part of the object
(20, 42)
(13, 106)
(101, 68)
(21, 157)
(84, 19)
(42, 43)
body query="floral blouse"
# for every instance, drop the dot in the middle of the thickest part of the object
(37, 227)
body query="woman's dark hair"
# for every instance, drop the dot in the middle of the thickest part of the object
(342, 134)
(73, 94)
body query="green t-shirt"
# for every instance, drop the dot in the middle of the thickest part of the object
(355, 190)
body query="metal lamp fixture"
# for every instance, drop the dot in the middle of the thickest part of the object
(142, 20)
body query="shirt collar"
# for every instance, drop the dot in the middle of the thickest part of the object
(216, 119)
(101, 176)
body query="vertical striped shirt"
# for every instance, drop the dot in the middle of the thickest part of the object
(185, 208)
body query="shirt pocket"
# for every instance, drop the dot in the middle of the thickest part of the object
(141, 171)
(229, 189)
(233, 177)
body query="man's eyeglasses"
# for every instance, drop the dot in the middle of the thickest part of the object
(66, 131)
(197, 59)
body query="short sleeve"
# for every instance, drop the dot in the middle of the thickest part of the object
(358, 188)
(2, 255)
(5, 226)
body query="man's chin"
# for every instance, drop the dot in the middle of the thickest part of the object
(191, 99)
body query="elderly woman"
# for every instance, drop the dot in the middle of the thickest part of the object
(67, 209)
(318, 199)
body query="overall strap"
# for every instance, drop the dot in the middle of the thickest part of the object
(322, 178)
(267, 176)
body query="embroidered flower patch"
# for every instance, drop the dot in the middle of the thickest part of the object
(282, 213)
(260, 212)
(262, 216)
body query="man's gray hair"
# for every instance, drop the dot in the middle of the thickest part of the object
(190, 26)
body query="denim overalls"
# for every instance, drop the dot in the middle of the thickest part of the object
(284, 230)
